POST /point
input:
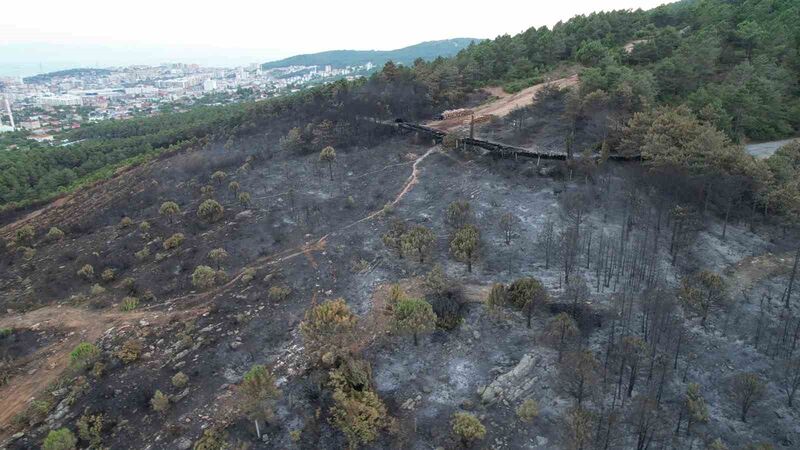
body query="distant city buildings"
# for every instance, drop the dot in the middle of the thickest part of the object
(49, 104)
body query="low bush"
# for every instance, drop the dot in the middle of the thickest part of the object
(174, 241)
(204, 277)
(108, 274)
(87, 271)
(279, 293)
(83, 354)
(55, 234)
(180, 380)
(130, 351)
(61, 439)
(129, 304)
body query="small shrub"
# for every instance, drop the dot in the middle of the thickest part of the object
(108, 274)
(125, 222)
(214, 438)
(90, 429)
(295, 435)
(24, 234)
(129, 304)
(248, 275)
(218, 255)
(159, 402)
(528, 410)
(142, 254)
(55, 234)
(129, 352)
(98, 369)
(180, 380)
(83, 354)
(87, 271)
(204, 277)
(129, 284)
(96, 290)
(173, 241)
(468, 428)
(350, 203)
(279, 293)
(28, 253)
(61, 439)
(5, 332)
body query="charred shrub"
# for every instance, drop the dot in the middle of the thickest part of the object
(449, 305)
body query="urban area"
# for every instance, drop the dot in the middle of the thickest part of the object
(44, 105)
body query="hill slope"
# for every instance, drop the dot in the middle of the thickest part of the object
(341, 58)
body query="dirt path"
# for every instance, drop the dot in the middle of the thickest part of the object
(48, 363)
(504, 103)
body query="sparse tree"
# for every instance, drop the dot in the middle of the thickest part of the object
(234, 187)
(413, 316)
(468, 428)
(436, 281)
(328, 155)
(790, 379)
(508, 226)
(579, 374)
(747, 389)
(560, 331)
(497, 296)
(703, 291)
(170, 210)
(527, 294)
(459, 214)
(328, 330)
(546, 241)
(465, 245)
(393, 238)
(693, 408)
(579, 428)
(244, 199)
(419, 241)
(219, 176)
(210, 211)
(258, 393)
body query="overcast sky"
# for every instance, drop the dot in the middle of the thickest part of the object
(228, 30)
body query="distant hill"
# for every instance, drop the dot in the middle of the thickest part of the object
(406, 55)
(65, 73)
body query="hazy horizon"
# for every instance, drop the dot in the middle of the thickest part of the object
(88, 34)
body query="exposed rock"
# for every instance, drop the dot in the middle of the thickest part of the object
(231, 376)
(513, 384)
(183, 443)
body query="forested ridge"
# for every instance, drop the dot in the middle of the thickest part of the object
(729, 66)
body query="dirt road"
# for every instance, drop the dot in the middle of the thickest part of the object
(503, 104)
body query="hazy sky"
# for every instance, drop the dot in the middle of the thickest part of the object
(228, 30)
